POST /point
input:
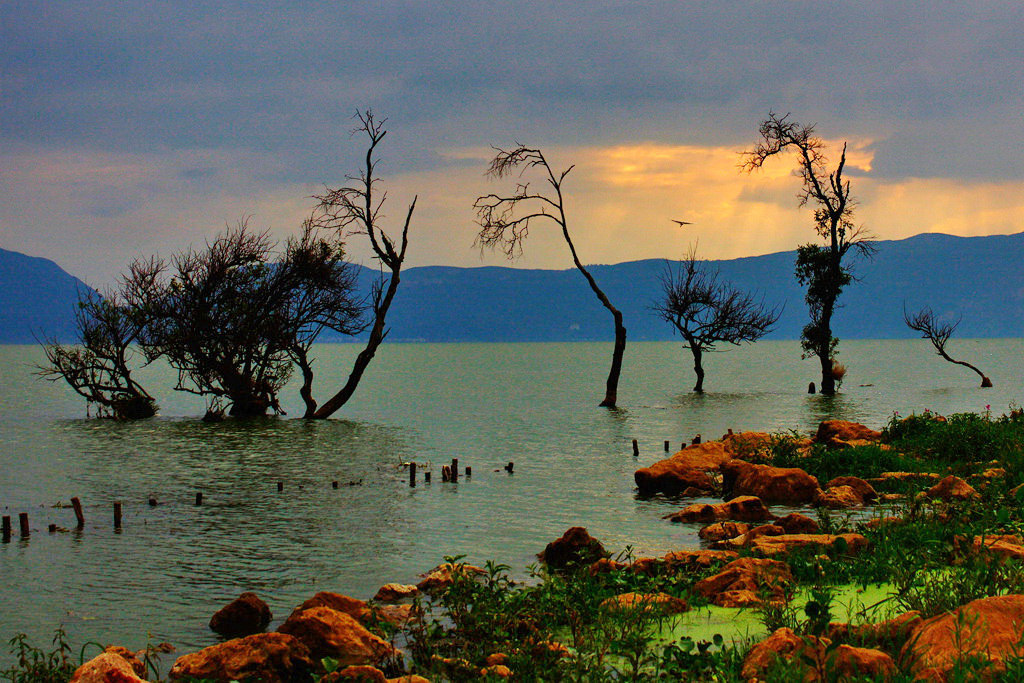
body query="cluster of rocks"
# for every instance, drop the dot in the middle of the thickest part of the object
(328, 625)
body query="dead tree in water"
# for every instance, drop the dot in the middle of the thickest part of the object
(355, 209)
(926, 322)
(505, 222)
(705, 311)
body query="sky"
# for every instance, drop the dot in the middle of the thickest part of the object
(136, 128)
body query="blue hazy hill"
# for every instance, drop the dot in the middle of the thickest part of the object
(978, 278)
(37, 299)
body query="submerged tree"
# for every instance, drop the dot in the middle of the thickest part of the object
(505, 222)
(938, 333)
(706, 311)
(819, 268)
(99, 367)
(355, 209)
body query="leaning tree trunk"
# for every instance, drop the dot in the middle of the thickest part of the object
(377, 334)
(611, 391)
(985, 381)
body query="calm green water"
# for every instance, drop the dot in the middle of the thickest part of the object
(173, 565)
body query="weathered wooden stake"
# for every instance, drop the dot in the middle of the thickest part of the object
(77, 504)
(117, 515)
(23, 523)
(152, 501)
(636, 448)
(696, 440)
(666, 446)
(810, 388)
(469, 471)
(446, 473)
(280, 486)
(334, 484)
(412, 474)
(5, 533)
(510, 466)
(426, 477)
(199, 498)
(52, 528)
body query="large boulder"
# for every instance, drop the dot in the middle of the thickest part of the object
(750, 536)
(865, 491)
(111, 666)
(354, 607)
(741, 508)
(722, 531)
(839, 433)
(444, 575)
(810, 656)
(770, 546)
(795, 523)
(395, 592)
(886, 634)
(264, 657)
(1002, 545)
(785, 485)
(657, 603)
(576, 548)
(243, 616)
(781, 646)
(356, 674)
(839, 498)
(672, 477)
(952, 488)
(745, 582)
(988, 630)
(330, 633)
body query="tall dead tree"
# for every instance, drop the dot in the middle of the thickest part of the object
(706, 311)
(938, 333)
(505, 221)
(819, 268)
(355, 209)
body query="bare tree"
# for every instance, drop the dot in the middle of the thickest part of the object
(356, 209)
(505, 223)
(938, 333)
(819, 268)
(99, 368)
(706, 311)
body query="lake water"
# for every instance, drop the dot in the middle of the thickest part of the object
(173, 565)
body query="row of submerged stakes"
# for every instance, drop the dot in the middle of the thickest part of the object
(449, 473)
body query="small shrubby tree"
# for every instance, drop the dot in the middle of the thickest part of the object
(820, 268)
(705, 311)
(505, 221)
(99, 368)
(938, 333)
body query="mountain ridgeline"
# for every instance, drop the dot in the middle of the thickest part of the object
(977, 278)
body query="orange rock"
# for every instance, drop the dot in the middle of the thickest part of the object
(778, 545)
(841, 430)
(409, 678)
(721, 531)
(683, 560)
(748, 445)
(443, 575)
(857, 663)
(749, 575)
(243, 616)
(795, 523)
(267, 657)
(1003, 545)
(396, 615)
(839, 498)
(575, 548)
(107, 667)
(787, 485)
(887, 633)
(744, 508)
(784, 645)
(988, 629)
(952, 488)
(748, 538)
(393, 592)
(606, 564)
(672, 476)
(330, 633)
(498, 670)
(357, 609)
(908, 476)
(865, 491)
(496, 658)
(363, 673)
(138, 666)
(661, 603)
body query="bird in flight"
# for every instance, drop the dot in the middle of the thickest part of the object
(681, 223)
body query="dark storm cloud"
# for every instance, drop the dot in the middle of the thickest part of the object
(938, 81)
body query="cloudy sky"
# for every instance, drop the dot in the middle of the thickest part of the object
(132, 128)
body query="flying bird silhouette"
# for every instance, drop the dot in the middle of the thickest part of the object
(681, 223)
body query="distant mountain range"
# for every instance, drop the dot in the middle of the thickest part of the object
(980, 279)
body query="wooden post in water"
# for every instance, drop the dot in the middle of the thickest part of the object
(52, 528)
(426, 477)
(117, 515)
(334, 484)
(199, 498)
(77, 504)
(696, 440)
(455, 469)
(636, 449)
(446, 473)
(469, 472)
(152, 501)
(23, 523)
(666, 446)
(280, 486)
(412, 474)
(5, 529)
(510, 466)
(810, 388)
